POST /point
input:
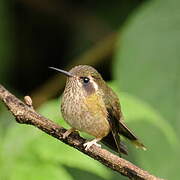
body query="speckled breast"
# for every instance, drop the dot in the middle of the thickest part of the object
(87, 114)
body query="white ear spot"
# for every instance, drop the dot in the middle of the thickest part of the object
(95, 85)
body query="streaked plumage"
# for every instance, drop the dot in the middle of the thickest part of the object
(89, 105)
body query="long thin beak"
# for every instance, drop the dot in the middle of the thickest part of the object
(62, 71)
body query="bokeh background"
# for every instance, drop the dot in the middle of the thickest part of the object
(134, 44)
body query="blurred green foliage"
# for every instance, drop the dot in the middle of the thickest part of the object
(146, 77)
(29, 153)
(147, 67)
(34, 151)
(155, 132)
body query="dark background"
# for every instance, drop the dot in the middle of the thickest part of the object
(134, 44)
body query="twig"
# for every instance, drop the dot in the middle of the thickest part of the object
(25, 114)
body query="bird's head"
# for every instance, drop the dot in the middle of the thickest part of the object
(83, 78)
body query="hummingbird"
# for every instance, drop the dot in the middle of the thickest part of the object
(89, 105)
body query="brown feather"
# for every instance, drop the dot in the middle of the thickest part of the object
(116, 119)
(110, 142)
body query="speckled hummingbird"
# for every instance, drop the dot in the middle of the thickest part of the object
(90, 105)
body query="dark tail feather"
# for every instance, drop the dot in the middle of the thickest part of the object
(125, 131)
(110, 142)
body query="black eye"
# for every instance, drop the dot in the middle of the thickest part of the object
(85, 79)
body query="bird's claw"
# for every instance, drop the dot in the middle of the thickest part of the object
(90, 143)
(68, 132)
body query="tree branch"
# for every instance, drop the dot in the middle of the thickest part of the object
(25, 114)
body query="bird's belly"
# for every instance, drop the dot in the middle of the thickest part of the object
(98, 127)
(87, 119)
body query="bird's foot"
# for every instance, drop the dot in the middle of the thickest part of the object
(68, 132)
(90, 143)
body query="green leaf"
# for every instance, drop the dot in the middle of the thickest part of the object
(41, 171)
(147, 60)
(155, 132)
(135, 108)
(147, 68)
